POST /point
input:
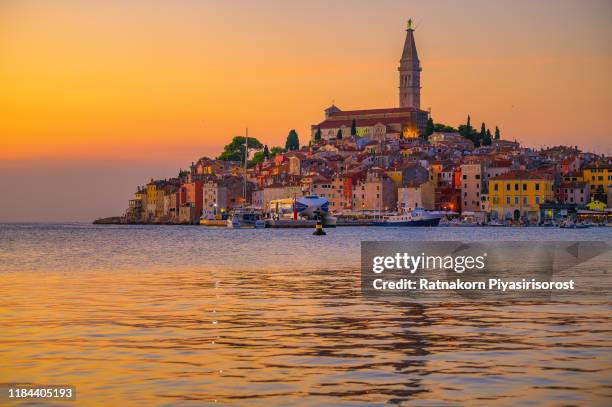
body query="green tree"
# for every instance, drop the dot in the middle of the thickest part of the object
(353, 128)
(266, 152)
(339, 134)
(483, 131)
(276, 150)
(293, 141)
(234, 151)
(258, 158)
(486, 141)
(497, 135)
(429, 129)
(466, 129)
(443, 128)
(317, 137)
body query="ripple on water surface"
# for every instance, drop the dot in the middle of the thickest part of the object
(156, 315)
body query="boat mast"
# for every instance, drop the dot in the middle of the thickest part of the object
(246, 158)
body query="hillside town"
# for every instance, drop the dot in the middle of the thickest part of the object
(390, 160)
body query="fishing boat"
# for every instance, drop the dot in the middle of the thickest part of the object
(417, 217)
(245, 218)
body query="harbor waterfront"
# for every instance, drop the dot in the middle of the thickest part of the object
(384, 167)
(185, 315)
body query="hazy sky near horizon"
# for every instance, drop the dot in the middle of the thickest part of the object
(100, 96)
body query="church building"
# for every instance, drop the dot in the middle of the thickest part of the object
(407, 120)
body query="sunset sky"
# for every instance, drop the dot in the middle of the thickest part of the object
(97, 97)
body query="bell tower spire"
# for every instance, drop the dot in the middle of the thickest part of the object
(410, 72)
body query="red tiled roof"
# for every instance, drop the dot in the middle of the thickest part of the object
(501, 163)
(518, 175)
(375, 111)
(599, 165)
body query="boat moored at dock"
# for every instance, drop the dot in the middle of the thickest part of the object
(241, 218)
(417, 217)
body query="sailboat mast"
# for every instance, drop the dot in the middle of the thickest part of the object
(246, 158)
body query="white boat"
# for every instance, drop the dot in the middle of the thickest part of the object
(417, 217)
(245, 218)
(310, 207)
(241, 218)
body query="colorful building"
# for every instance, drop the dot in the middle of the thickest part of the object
(518, 194)
(599, 176)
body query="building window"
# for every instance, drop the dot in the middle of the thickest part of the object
(495, 187)
(477, 176)
(516, 200)
(524, 200)
(516, 187)
(508, 200)
(507, 187)
(537, 199)
(524, 187)
(537, 186)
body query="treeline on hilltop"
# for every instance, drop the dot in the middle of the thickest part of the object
(234, 151)
(479, 138)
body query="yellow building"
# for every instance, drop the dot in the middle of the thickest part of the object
(435, 173)
(151, 205)
(518, 195)
(599, 176)
(573, 177)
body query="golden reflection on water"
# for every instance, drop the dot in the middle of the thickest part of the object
(264, 337)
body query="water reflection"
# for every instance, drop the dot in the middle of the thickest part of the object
(276, 333)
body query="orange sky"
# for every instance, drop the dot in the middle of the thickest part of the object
(167, 82)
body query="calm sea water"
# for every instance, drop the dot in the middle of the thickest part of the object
(182, 315)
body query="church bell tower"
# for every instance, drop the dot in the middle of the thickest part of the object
(410, 72)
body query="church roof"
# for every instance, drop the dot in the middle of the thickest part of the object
(374, 111)
(519, 175)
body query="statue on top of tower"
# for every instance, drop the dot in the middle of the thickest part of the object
(410, 72)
